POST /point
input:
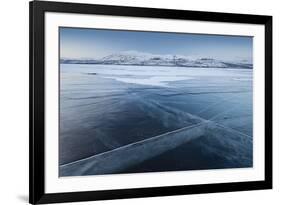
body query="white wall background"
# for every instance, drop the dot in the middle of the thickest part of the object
(14, 100)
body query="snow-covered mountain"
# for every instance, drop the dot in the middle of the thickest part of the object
(147, 59)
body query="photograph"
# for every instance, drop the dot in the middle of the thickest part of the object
(147, 101)
(132, 102)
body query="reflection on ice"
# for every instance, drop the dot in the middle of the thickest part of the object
(154, 81)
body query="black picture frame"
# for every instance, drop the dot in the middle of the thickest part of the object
(37, 194)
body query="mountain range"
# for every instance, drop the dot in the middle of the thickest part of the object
(147, 59)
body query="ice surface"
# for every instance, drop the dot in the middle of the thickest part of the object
(105, 107)
(132, 154)
(155, 75)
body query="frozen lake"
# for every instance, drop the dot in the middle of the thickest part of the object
(103, 107)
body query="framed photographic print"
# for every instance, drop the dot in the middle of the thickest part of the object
(140, 102)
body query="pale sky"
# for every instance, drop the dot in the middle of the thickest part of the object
(97, 43)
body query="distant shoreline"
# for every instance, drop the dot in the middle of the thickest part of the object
(250, 67)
